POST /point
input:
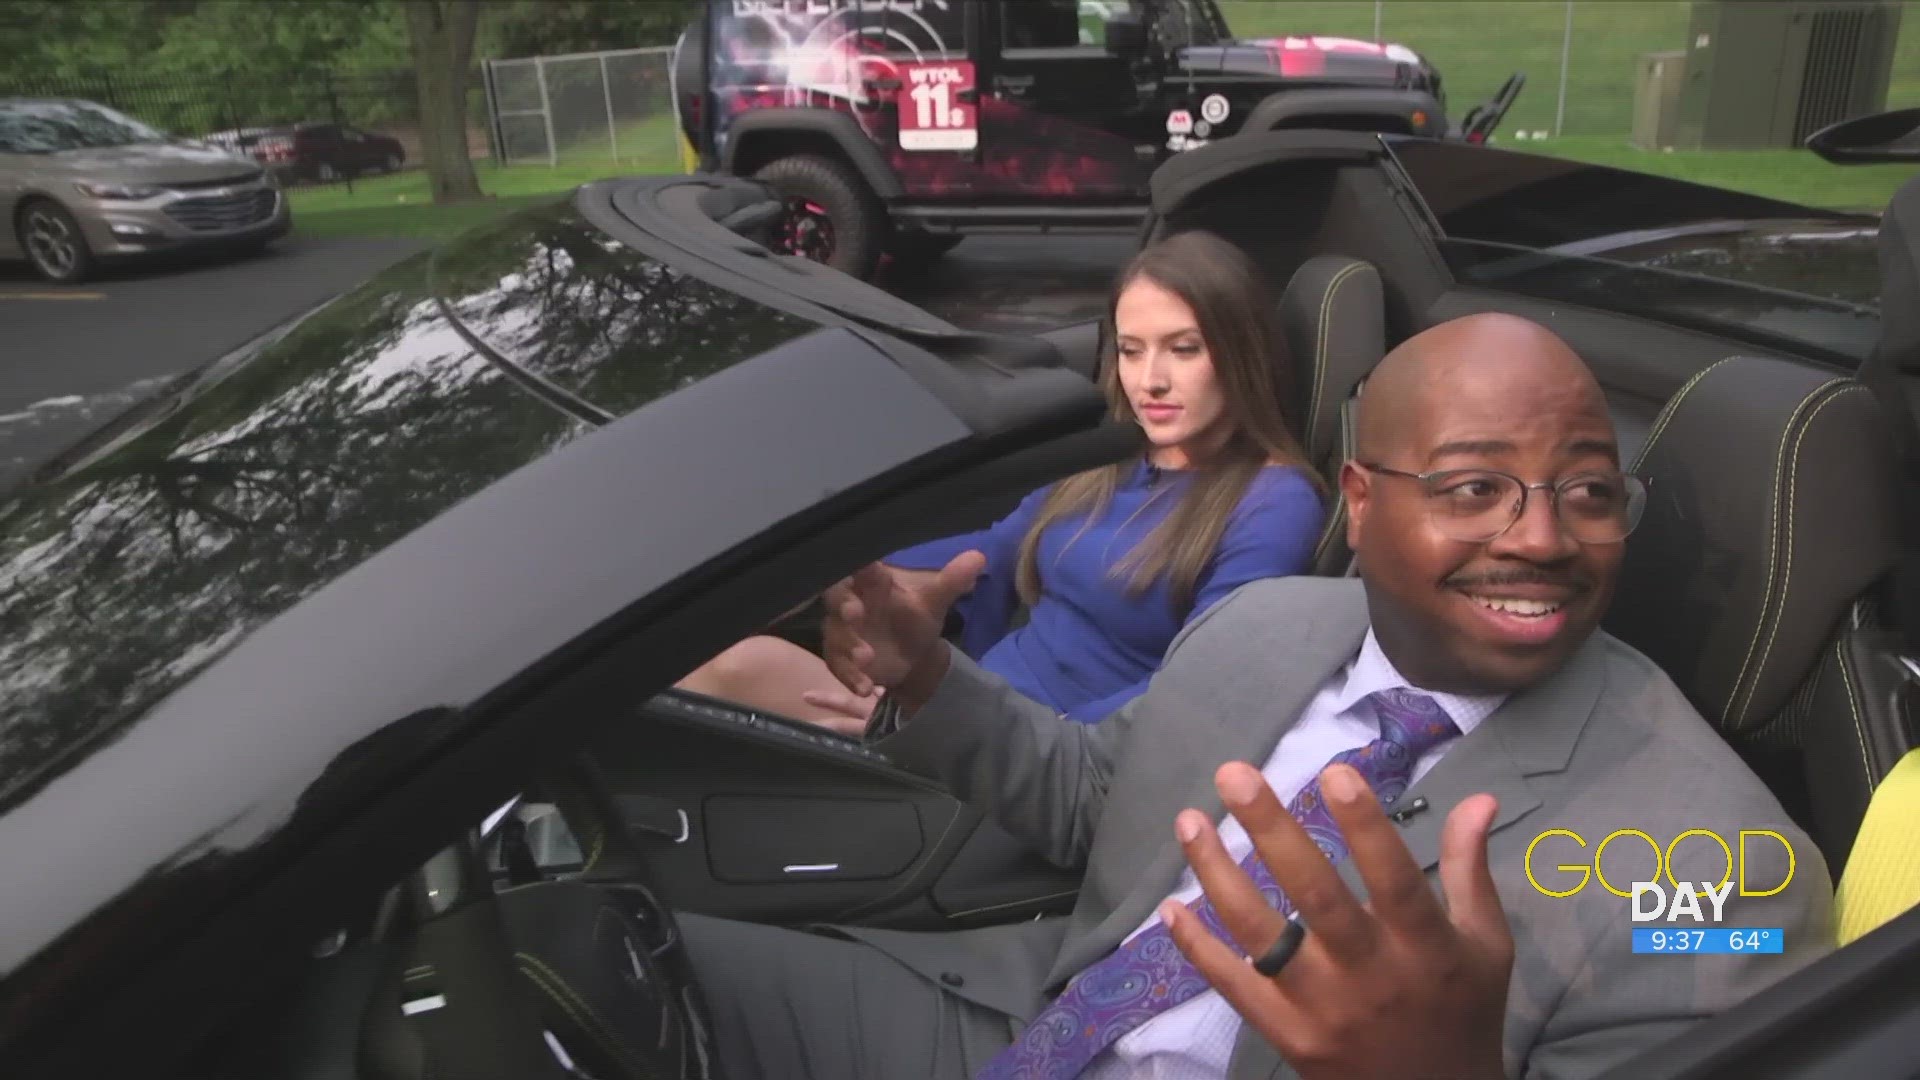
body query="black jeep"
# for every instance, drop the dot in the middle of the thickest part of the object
(896, 127)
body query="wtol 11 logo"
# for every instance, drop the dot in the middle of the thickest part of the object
(1692, 912)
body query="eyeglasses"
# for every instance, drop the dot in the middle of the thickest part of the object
(1477, 505)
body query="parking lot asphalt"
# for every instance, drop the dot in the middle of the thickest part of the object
(73, 356)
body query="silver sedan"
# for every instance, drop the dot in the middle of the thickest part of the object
(81, 183)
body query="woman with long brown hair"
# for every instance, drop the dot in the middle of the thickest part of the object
(1112, 562)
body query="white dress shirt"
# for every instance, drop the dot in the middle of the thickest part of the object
(1194, 1040)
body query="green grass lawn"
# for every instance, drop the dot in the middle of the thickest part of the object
(400, 205)
(649, 145)
(1476, 44)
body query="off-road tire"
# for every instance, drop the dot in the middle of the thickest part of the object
(859, 220)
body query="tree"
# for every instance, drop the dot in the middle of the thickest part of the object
(262, 43)
(440, 35)
(535, 27)
(58, 38)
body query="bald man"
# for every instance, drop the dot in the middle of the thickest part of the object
(1310, 846)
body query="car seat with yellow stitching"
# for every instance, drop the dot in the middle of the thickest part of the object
(1752, 581)
(1882, 877)
(1334, 318)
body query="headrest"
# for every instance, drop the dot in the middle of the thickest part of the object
(1900, 280)
(1335, 324)
(1331, 555)
(1772, 507)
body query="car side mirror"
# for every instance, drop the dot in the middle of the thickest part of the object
(1126, 34)
(1886, 136)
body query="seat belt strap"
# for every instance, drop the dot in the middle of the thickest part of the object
(1882, 878)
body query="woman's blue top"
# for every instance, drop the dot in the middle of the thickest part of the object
(1090, 643)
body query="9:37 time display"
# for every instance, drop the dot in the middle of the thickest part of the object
(1717, 940)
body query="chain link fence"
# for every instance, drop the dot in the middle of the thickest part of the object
(585, 108)
(312, 127)
(1585, 60)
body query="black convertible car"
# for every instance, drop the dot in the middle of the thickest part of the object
(334, 737)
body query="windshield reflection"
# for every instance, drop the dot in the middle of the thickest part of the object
(570, 303)
(1833, 264)
(48, 127)
(126, 576)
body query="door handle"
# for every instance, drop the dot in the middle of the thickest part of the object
(656, 817)
(1014, 83)
(967, 97)
(882, 83)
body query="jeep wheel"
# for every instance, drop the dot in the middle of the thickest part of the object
(832, 217)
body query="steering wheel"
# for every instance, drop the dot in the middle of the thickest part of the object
(1481, 120)
(545, 979)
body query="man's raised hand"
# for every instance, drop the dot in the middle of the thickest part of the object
(1397, 987)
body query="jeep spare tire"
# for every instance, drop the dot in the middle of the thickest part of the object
(832, 216)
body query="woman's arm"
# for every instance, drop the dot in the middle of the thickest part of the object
(1272, 533)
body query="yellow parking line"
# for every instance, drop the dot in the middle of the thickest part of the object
(52, 296)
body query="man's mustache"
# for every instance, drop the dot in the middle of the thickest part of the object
(1571, 580)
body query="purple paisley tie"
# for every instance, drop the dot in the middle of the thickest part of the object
(1148, 975)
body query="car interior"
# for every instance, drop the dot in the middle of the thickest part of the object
(1758, 580)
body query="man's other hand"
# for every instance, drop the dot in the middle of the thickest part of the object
(1398, 987)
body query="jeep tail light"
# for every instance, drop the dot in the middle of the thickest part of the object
(275, 149)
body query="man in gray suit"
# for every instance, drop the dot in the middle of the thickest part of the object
(1454, 714)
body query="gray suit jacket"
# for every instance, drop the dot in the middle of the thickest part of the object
(1608, 743)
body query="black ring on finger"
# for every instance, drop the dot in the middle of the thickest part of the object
(1283, 949)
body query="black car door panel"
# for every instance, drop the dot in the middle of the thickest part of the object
(741, 815)
(994, 877)
(756, 839)
(1058, 104)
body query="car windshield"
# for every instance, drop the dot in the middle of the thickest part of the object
(49, 127)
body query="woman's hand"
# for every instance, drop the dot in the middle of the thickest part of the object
(848, 711)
